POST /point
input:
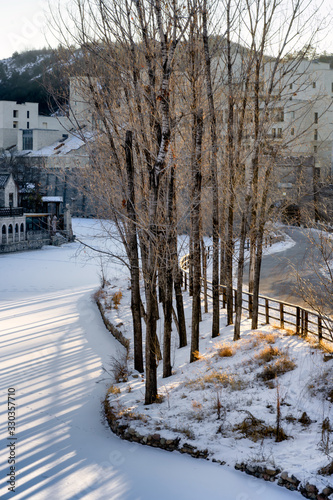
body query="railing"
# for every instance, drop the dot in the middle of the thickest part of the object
(11, 212)
(303, 321)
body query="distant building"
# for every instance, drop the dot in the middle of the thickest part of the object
(12, 219)
(23, 128)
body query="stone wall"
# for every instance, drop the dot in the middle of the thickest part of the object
(20, 246)
(284, 479)
(112, 329)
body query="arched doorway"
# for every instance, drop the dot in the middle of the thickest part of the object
(4, 234)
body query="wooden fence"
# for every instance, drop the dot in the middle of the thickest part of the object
(288, 316)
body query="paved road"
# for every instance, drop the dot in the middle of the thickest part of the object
(279, 270)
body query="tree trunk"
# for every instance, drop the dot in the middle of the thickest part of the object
(134, 257)
(214, 178)
(196, 179)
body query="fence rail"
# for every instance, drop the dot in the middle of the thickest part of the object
(303, 321)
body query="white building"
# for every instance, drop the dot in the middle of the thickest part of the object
(304, 125)
(21, 126)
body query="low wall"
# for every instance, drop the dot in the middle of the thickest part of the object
(284, 479)
(20, 246)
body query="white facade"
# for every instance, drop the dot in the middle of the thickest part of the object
(21, 121)
(306, 125)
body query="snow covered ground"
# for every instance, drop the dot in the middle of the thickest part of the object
(53, 350)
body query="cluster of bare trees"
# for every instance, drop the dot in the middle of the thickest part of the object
(180, 97)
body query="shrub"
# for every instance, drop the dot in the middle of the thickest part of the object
(280, 366)
(116, 298)
(119, 367)
(255, 429)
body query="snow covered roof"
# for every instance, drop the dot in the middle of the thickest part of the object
(49, 199)
(3, 180)
(65, 146)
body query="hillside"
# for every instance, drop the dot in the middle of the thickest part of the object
(22, 78)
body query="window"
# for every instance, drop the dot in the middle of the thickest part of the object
(44, 124)
(313, 85)
(273, 133)
(279, 134)
(15, 124)
(10, 229)
(4, 230)
(16, 228)
(316, 117)
(279, 117)
(28, 125)
(22, 228)
(292, 131)
(28, 114)
(293, 114)
(27, 139)
(11, 199)
(315, 149)
(315, 135)
(291, 86)
(15, 113)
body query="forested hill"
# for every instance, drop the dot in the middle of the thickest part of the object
(22, 77)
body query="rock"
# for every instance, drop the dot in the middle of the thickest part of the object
(135, 375)
(311, 488)
(327, 491)
(271, 472)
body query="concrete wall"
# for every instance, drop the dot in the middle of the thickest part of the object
(13, 115)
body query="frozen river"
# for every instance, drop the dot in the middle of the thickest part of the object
(53, 349)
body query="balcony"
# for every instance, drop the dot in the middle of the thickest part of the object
(11, 212)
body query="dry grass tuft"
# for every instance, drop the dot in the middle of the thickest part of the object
(197, 356)
(116, 298)
(280, 366)
(255, 429)
(113, 390)
(259, 337)
(225, 351)
(267, 354)
(217, 379)
(99, 295)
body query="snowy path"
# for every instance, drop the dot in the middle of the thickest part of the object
(53, 347)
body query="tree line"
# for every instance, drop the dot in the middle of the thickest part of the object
(181, 96)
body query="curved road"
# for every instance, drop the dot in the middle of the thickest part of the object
(53, 349)
(279, 270)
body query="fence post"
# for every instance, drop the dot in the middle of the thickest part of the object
(281, 315)
(267, 311)
(302, 323)
(320, 329)
(305, 323)
(250, 305)
(298, 320)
